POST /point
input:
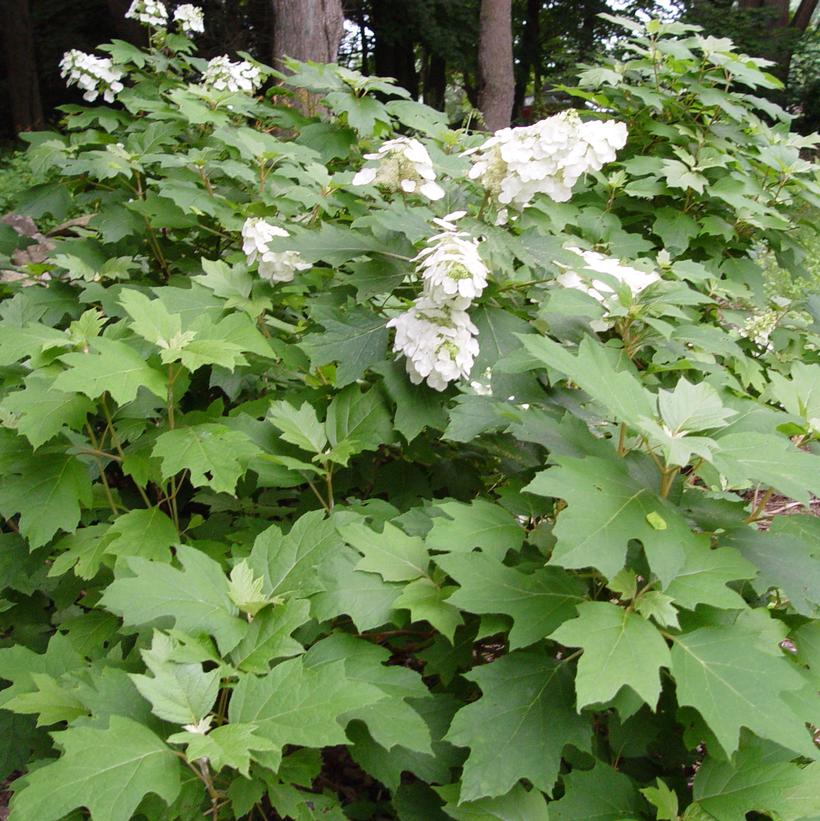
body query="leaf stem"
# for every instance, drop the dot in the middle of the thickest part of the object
(759, 507)
(115, 440)
(101, 469)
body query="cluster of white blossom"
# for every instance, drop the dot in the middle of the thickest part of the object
(548, 157)
(277, 266)
(759, 327)
(436, 336)
(94, 75)
(223, 75)
(600, 290)
(402, 164)
(190, 19)
(148, 12)
(439, 341)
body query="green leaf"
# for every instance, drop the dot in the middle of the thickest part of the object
(109, 771)
(735, 677)
(620, 649)
(394, 555)
(179, 693)
(346, 591)
(537, 602)
(269, 637)
(392, 720)
(606, 509)
(679, 175)
(480, 524)
(359, 417)
(428, 601)
(761, 778)
(42, 411)
(663, 799)
(47, 492)
(675, 229)
(300, 427)
(114, 367)
(705, 572)
(214, 454)
(49, 701)
(334, 244)
(599, 794)
(692, 407)
(194, 598)
(772, 460)
(519, 726)
(294, 704)
(148, 533)
(787, 559)
(356, 339)
(245, 589)
(799, 395)
(83, 551)
(289, 563)
(658, 606)
(231, 745)
(417, 406)
(517, 805)
(28, 341)
(612, 385)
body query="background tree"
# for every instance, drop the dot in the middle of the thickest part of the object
(306, 30)
(21, 69)
(496, 84)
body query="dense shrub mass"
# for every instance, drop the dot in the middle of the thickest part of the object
(355, 467)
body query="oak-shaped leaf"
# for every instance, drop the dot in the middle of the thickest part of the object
(295, 704)
(109, 771)
(213, 454)
(538, 602)
(601, 793)
(111, 366)
(194, 598)
(520, 725)
(481, 524)
(735, 675)
(606, 508)
(621, 648)
(761, 777)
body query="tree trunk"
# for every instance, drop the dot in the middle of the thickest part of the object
(529, 59)
(435, 81)
(802, 17)
(21, 69)
(495, 63)
(306, 30)
(394, 52)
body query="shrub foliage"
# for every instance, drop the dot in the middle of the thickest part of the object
(251, 570)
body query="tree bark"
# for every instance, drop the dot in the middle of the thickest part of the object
(802, 17)
(21, 69)
(394, 47)
(306, 30)
(529, 57)
(495, 63)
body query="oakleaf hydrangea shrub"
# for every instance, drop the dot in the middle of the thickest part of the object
(355, 467)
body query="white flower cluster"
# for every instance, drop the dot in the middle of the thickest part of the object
(148, 12)
(277, 266)
(438, 340)
(436, 336)
(635, 279)
(94, 75)
(402, 164)
(548, 157)
(223, 75)
(190, 19)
